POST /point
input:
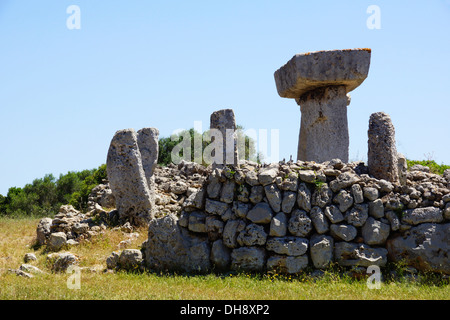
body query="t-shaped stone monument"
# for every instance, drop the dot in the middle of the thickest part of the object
(320, 81)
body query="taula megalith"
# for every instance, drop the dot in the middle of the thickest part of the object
(130, 163)
(320, 82)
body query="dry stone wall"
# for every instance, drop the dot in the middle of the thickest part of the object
(288, 216)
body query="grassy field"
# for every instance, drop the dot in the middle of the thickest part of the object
(18, 235)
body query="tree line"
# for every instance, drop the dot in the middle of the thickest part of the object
(44, 196)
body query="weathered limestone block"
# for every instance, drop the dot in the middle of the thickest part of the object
(248, 259)
(43, 230)
(261, 213)
(319, 81)
(147, 139)
(382, 158)
(319, 220)
(289, 199)
(344, 199)
(343, 232)
(273, 195)
(322, 196)
(231, 231)
(321, 250)
(252, 235)
(362, 255)
(220, 255)
(426, 247)
(304, 197)
(333, 214)
(287, 264)
(375, 232)
(358, 215)
(278, 225)
(171, 247)
(56, 241)
(224, 121)
(290, 246)
(130, 259)
(299, 224)
(422, 215)
(128, 180)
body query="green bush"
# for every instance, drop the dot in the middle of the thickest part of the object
(43, 197)
(434, 167)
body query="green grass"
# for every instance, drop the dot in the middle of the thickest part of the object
(17, 237)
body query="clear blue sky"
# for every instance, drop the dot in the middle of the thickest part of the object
(166, 64)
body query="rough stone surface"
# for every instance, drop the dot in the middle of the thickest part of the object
(382, 158)
(130, 259)
(290, 246)
(422, 215)
(299, 224)
(231, 232)
(304, 197)
(273, 195)
(261, 213)
(127, 178)
(425, 247)
(375, 232)
(278, 225)
(343, 232)
(354, 254)
(56, 241)
(43, 230)
(307, 71)
(287, 264)
(252, 235)
(289, 199)
(224, 121)
(333, 214)
(248, 259)
(324, 128)
(220, 255)
(60, 262)
(319, 220)
(170, 247)
(321, 250)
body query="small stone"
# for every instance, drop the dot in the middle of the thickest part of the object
(319, 220)
(344, 199)
(321, 250)
(215, 207)
(287, 264)
(29, 257)
(333, 214)
(370, 193)
(268, 176)
(130, 259)
(307, 176)
(261, 213)
(231, 231)
(227, 193)
(422, 215)
(197, 221)
(357, 193)
(358, 215)
(322, 196)
(278, 225)
(299, 224)
(273, 195)
(343, 232)
(291, 246)
(375, 232)
(248, 259)
(252, 235)
(56, 241)
(289, 199)
(376, 209)
(393, 220)
(256, 194)
(220, 255)
(304, 197)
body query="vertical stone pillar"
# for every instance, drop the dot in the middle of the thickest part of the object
(319, 81)
(225, 122)
(127, 178)
(382, 157)
(324, 127)
(149, 148)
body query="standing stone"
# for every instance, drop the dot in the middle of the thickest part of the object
(382, 157)
(224, 121)
(128, 180)
(149, 149)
